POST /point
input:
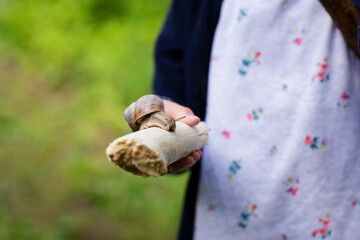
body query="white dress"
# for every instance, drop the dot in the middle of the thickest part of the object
(283, 157)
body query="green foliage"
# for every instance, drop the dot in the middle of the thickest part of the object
(68, 69)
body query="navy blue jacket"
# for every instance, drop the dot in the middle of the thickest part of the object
(357, 4)
(181, 72)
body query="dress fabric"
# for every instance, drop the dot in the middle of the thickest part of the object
(283, 156)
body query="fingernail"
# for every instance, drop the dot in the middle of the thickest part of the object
(193, 117)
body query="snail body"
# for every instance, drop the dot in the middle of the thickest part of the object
(148, 111)
(159, 119)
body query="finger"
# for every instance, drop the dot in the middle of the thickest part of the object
(197, 154)
(185, 163)
(181, 165)
(190, 120)
(178, 111)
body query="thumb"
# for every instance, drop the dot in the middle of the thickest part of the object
(178, 111)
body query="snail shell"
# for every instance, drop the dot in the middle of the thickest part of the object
(148, 111)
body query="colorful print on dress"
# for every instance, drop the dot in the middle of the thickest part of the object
(292, 186)
(323, 231)
(322, 75)
(344, 101)
(355, 202)
(299, 35)
(210, 207)
(255, 114)
(242, 14)
(252, 57)
(234, 168)
(226, 133)
(315, 142)
(246, 214)
(273, 150)
(284, 87)
(213, 58)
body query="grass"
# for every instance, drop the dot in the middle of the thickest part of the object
(68, 69)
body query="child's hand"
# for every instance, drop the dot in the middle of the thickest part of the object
(177, 111)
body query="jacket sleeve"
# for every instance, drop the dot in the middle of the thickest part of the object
(357, 4)
(169, 78)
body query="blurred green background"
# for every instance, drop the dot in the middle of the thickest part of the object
(68, 69)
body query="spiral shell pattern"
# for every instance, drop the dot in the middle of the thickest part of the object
(148, 111)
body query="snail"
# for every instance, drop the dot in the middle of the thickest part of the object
(148, 111)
